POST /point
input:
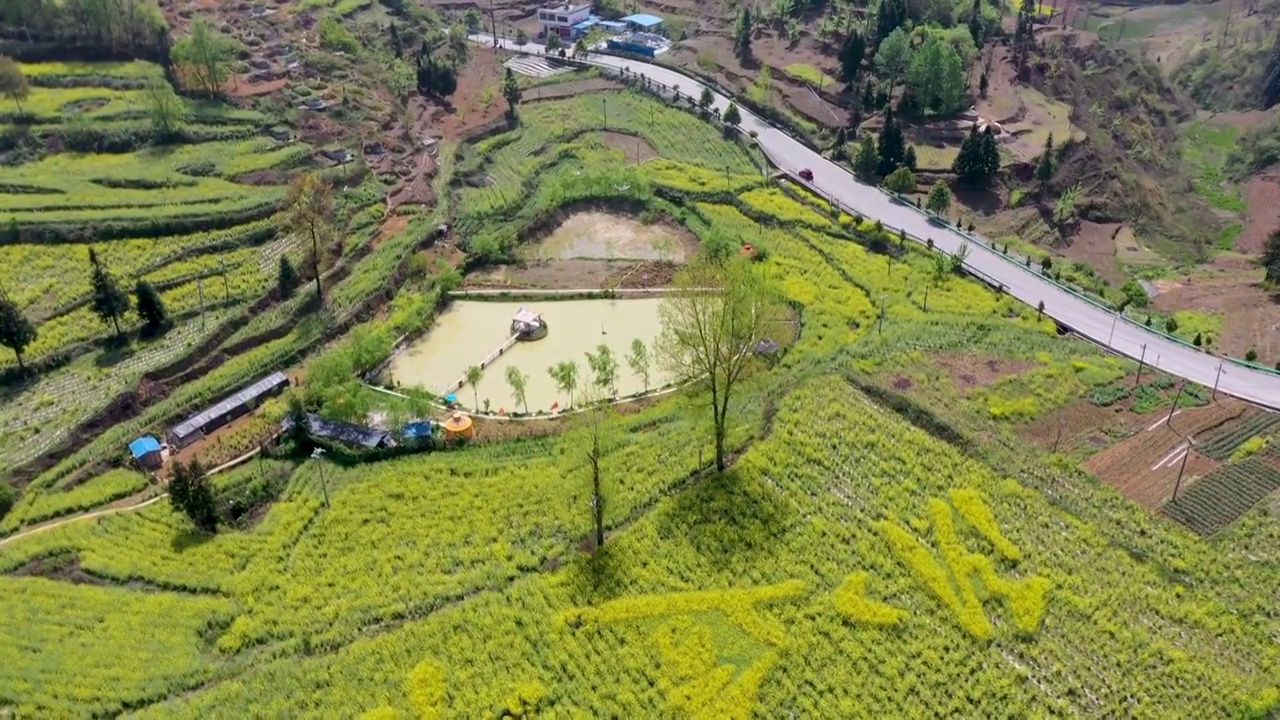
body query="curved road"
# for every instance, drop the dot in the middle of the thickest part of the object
(1096, 323)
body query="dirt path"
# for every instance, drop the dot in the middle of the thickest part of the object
(122, 505)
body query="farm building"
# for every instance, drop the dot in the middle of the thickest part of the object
(214, 417)
(343, 432)
(643, 23)
(561, 19)
(147, 452)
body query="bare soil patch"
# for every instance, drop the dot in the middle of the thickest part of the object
(1262, 213)
(243, 87)
(1094, 244)
(62, 568)
(574, 275)
(635, 148)
(1145, 467)
(599, 235)
(968, 371)
(1230, 287)
(478, 100)
(568, 89)
(1080, 426)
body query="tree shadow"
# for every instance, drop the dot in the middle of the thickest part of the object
(189, 538)
(728, 517)
(983, 199)
(115, 350)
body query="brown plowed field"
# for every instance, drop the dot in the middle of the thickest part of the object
(1145, 467)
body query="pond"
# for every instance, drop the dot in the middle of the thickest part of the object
(469, 330)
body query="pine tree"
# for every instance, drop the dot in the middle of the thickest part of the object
(287, 279)
(1270, 259)
(150, 307)
(1271, 84)
(868, 96)
(851, 54)
(190, 494)
(989, 157)
(983, 85)
(1046, 166)
(16, 331)
(110, 303)
(510, 93)
(731, 114)
(890, 146)
(975, 24)
(742, 33)
(866, 161)
(909, 158)
(890, 15)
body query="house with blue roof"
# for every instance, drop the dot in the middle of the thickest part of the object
(643, 22)
(147, 452)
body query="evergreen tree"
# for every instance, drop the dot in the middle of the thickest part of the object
(909, 158)
(287, 279)
(510, 93)
(397, 45)
(731, 114)
(989, 155)
(890, 15)
(851, 54)
(1271, 83)
(110, 303)
(190, 494)
(939, 201)
(935, 75)
(742, 33)
(975, 24)
(1270, 259)
(983, 85)
(866, 161)
(436, 76)
(1024, 33)
(150, 307)
(901, 181)
(1046, 166)
(16, 331)
(890, 146)
(868, 96)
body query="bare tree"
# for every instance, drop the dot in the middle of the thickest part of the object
(309, 210)
(717, 311)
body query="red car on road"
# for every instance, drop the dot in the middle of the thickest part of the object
(807, 175)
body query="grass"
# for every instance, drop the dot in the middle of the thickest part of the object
(1204, 149)
(810, 74)
(850, 555)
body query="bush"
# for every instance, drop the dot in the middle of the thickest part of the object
(1108, 395)
(1251, 356)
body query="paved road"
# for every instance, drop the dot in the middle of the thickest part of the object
(1091, 321)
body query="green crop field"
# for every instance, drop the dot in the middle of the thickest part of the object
(195, 218)
(862, 557)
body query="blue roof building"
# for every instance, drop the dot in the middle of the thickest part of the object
(643, 22)
(146, 451)
(144, 445)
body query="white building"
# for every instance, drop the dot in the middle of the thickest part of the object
(560, 19)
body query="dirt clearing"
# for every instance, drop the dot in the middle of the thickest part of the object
(605, 236)
(1145, 467)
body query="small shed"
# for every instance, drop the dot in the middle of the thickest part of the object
(642, 22)
(147, 452)
(417, 432)
(459, 426)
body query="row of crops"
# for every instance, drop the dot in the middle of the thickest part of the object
(731, 597)
(1226, 493)
(847, 565)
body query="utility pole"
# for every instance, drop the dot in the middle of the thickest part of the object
(1111, 336)
(1141, 360)
(926, 297)
(604, 108)
(1178, 483)
(200, 292)
(1215, 382)
(1176, 398)
(880, 330)
(324, 486)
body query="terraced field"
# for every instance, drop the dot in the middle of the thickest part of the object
(194, 218)
(862, 556)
